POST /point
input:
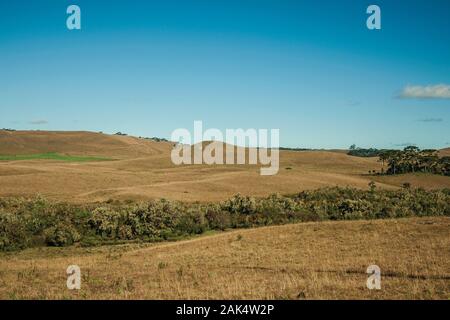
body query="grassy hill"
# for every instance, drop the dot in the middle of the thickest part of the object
(142, 169)
(77, 143)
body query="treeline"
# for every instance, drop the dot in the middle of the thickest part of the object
(411, 159)
(362, 152)
(140, 137)
(156, 139)
(38, 222)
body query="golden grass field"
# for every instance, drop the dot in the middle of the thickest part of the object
(142, 169)
(317, 260)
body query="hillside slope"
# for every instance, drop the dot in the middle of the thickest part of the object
(142, 169)
(77, 143)
(318, 260)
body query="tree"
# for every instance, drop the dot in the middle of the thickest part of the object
(383, 157)
(412, 159)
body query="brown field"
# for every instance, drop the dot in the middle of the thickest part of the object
(444, 152)
(142, 169)
(318, 260)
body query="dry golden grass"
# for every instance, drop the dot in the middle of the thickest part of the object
(324, 260)
(143, 170)
(310, 260)
(444, 152)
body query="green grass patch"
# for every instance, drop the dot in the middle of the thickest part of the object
(51, 156)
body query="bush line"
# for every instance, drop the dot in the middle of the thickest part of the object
(38, 222)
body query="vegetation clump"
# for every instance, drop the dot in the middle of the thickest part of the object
(409, 160)
(362, 152)
(38, 222)
(412, 159)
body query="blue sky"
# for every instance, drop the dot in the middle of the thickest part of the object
(311, 69)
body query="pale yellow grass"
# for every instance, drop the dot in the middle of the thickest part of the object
(143, 170)
(324, 260)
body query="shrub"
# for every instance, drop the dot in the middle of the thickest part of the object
(192, 222)
(13, 235)
(156, 219)
(217, 218)
(61, 235)
(105, 222)
(240, 205)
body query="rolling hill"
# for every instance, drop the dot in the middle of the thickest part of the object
(142, 169)
(78, 143)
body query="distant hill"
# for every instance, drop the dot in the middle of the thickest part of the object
(78, 143)
(142, 169)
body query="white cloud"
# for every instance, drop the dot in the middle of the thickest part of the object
(438, 91)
